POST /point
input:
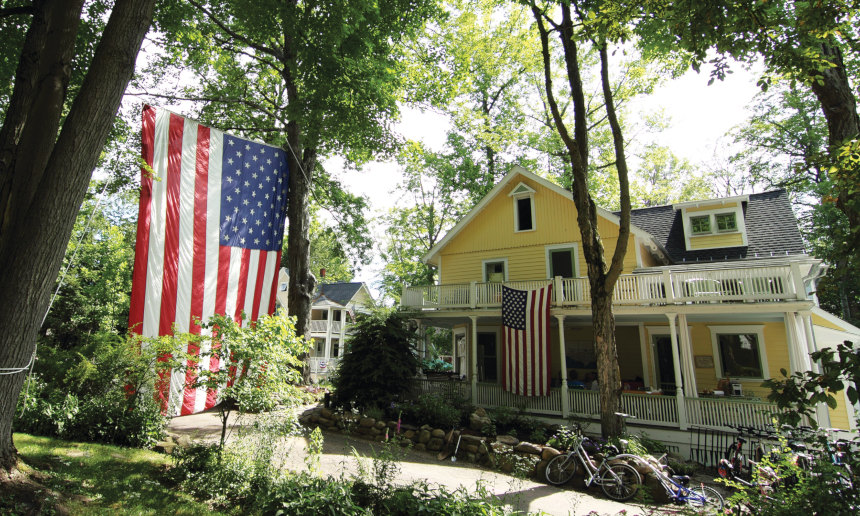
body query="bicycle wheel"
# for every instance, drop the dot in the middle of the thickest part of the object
(705, 500)
(561, 469)
(620, 482)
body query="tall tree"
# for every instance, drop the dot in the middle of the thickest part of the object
(810, 43)
(50, 142)
(579, 25)
(316, 77)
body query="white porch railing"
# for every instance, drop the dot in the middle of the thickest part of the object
(492, 395)
(649, 288)
(319, 325)
(648, 409)
(727, 412)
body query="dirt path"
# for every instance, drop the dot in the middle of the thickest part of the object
(341, 455)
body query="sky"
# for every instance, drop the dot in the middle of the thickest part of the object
(700, 116)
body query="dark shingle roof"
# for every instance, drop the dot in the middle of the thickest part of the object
(770, 224)
(340, 293)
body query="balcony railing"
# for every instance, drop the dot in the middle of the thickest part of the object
(664, 287)
(321, 326)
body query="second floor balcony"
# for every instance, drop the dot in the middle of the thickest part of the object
(659, 286)
(322, 326)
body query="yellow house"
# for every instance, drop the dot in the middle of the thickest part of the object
(716, 296)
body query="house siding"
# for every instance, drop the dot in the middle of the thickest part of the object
(711, 207)
(721, 240)
(491, 235)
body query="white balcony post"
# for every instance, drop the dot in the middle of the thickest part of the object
(667, 285)
(473, 294)
(679, 382)
(473, 370)
(823, 415)
(565, 409)
(797, 278)
(687, 357)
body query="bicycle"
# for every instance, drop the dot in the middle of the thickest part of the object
(619, 480)
(702, 499)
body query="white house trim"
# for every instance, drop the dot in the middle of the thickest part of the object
(554, 247)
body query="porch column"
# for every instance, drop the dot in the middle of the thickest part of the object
(797, 348)
(822, 413)
(565, 409)
(679, 382)
(644, 346)
(687, 357)
(327, 353)
(473, 369)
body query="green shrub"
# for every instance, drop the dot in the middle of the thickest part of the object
(436, 365)
(379, 364)
(565, 437)
(432, 409)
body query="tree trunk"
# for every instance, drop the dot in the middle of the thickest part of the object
(302, 280)
(608, 374)
(839, 106)
(43, 177)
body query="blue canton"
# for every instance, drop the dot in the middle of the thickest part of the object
(514, 308)
(253, 195)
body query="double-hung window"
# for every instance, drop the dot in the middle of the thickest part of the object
(739, 352)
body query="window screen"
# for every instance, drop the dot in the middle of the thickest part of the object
(524, 214)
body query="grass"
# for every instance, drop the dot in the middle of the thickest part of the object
(87, 478)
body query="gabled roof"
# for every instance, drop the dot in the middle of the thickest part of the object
(516, 171)
(340, 293)
(770, 225)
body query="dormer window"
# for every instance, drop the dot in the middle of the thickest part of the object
(726, 222)
(714, 224)
(524, 207)
(700, 225)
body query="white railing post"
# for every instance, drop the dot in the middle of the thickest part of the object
(667, 286)
(473, 294)
(561, 347)
(559, 290)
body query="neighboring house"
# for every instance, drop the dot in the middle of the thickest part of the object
(714, 293)
(332, 311)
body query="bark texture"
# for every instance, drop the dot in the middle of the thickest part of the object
(44, 175)
(602, 276)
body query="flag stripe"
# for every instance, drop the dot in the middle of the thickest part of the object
(262, 272)
(155, 261)
(273, 284)
(141, 252)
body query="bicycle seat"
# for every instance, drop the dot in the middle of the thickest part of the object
(684, 480)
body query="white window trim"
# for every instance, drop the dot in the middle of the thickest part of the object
(739, 221)
(522, 191)
(758, 330)
(555, 247)
(493, 260)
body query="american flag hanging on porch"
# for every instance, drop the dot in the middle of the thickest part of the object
(526, 341)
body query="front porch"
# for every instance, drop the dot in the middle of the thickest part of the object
(671, 412)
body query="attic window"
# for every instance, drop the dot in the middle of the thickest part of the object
(524, 207)
(726, 222)
(700, 225)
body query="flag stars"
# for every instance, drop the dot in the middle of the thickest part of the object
(256, 241)
(229, 198)
(229, 179)
(246, 202)
(231, 141)
(242, 240)
(259, 204)
(247, 164)
(269, 161)
(247, 184)
(254, 175)
(230, 160)
(254, 158)
(247, 147)
(239, 154)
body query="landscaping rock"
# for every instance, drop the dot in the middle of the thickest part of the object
(472, 439)
(479, 419)
(326, 413)
(529, 448)
(426, 427)
(380, 425)
(366, 422)
(471, 448)
(435, 444)
(471, 457)
(409, 434)
(438, 432)
(508, 439)
(325, 422)
(548, 453)
(420, 447)
(184, 441)
(540, 470)
(424, 436)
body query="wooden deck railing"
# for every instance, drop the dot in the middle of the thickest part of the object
(648, 409)
(664, 287)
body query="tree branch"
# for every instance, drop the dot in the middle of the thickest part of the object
(277, 54)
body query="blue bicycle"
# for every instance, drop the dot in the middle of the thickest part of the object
(700, 499)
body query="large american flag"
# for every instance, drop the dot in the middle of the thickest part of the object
(209, 237)
(526, 341)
